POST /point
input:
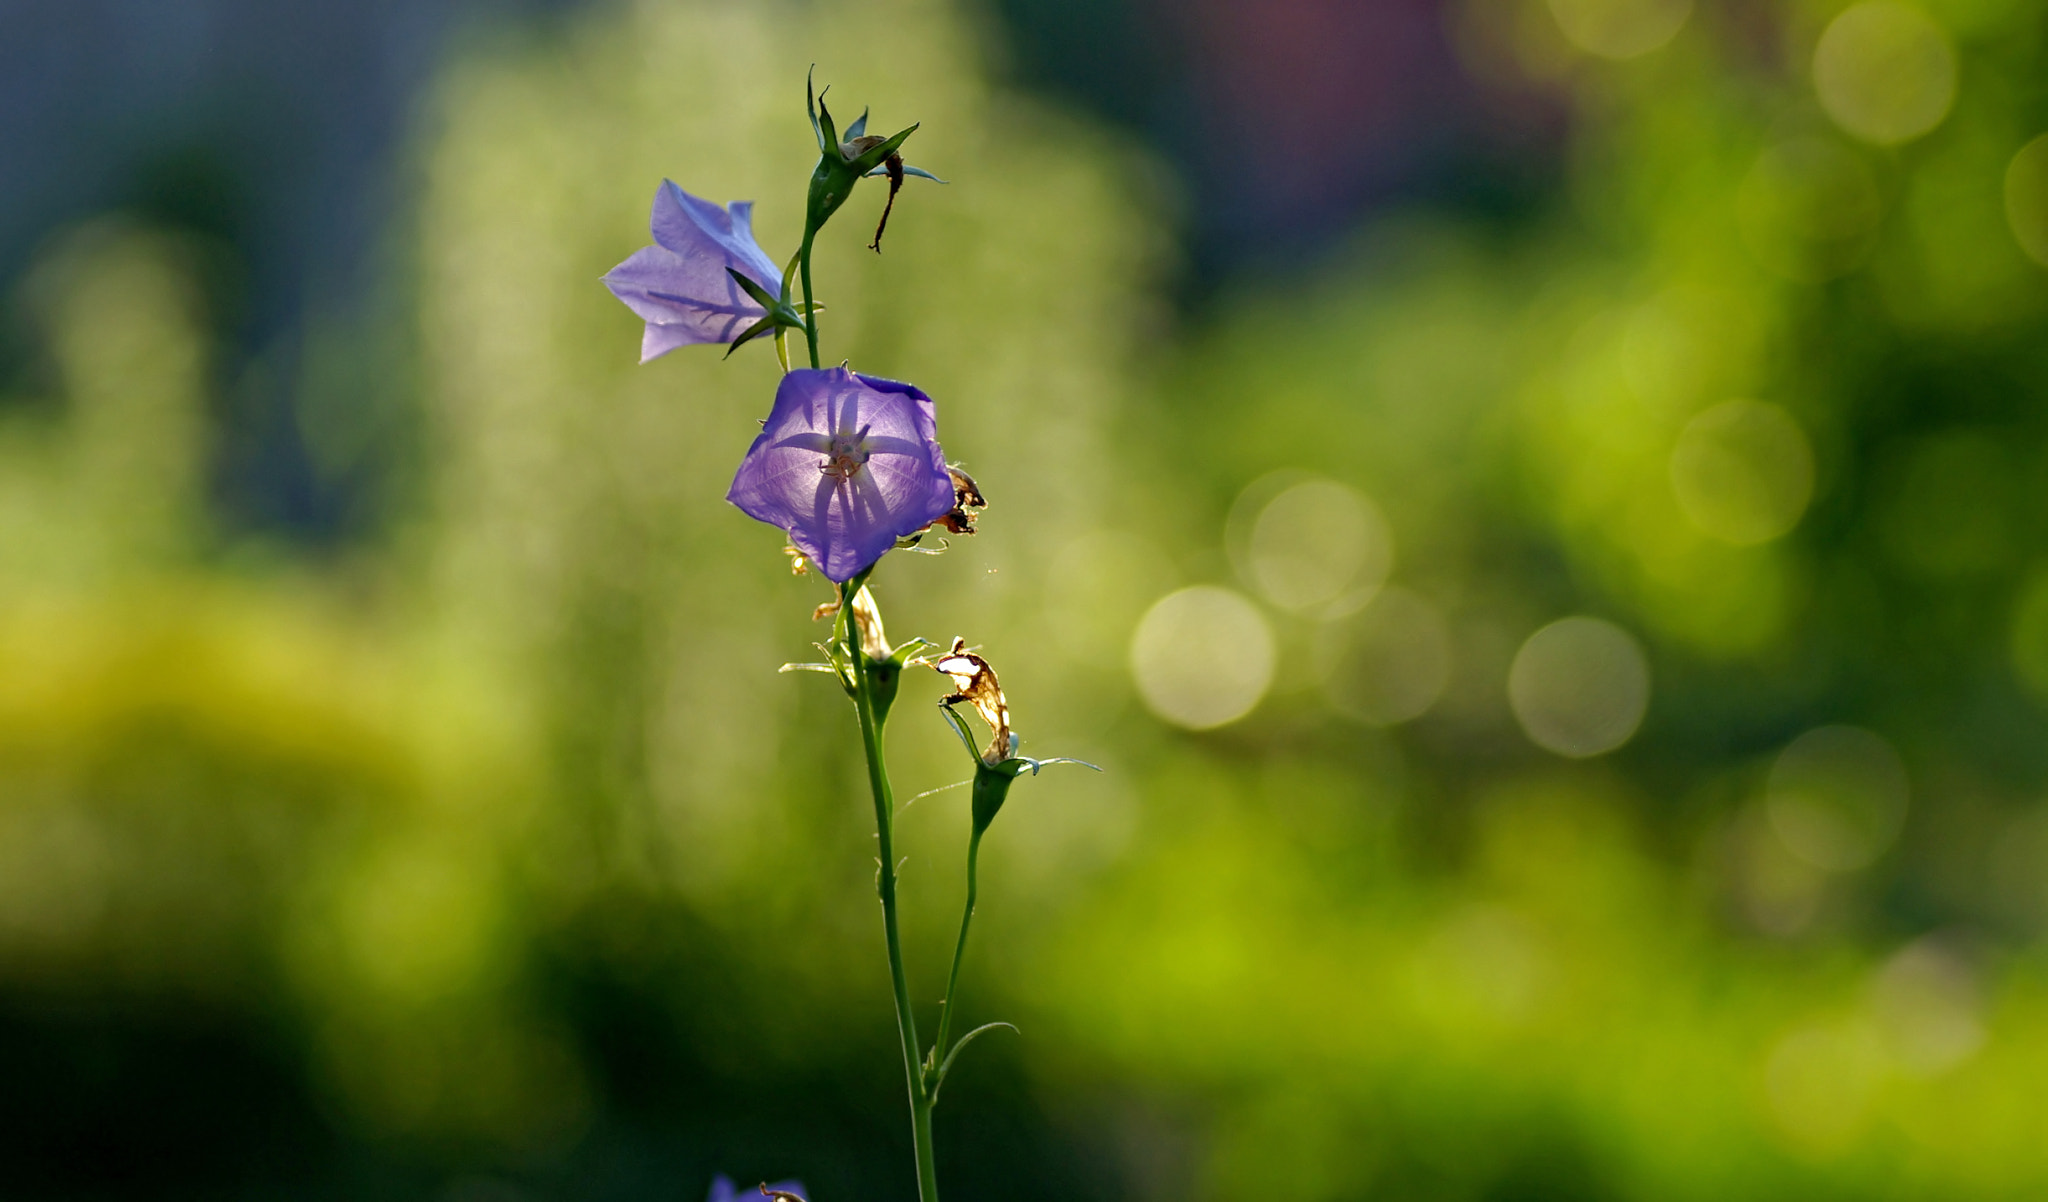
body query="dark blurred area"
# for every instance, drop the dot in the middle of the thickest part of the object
(1535, 505)
(1290, 122)
(269, 135)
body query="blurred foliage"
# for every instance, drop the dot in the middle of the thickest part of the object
(495, 859)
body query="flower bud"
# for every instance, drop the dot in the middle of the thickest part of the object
(843, 162)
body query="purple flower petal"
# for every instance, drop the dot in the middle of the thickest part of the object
(680, 286)
(846, 464)
(722, 1190)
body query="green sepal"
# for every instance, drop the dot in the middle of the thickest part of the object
(780, 313)
(821, 117)
(902, 653)
(959, 726)
(919, 172)
(874, 156)
(766, 325)
(859, 126)
(789, 273)
(992, 781)
(762, 297)
(839, 664)
(811, 106)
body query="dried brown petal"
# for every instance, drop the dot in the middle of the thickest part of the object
(967, 503)
(974, 682)
(894, 165)
(966, 493)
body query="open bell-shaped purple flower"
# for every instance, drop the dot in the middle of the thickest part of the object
(846, 464)
(681, 286)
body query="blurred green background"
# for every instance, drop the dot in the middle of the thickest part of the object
(1539, 506)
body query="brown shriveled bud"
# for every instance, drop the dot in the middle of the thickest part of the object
(867, 618)
(967, 503)
(829, 609)
(974, 682)
(853, 148)
(966, 493)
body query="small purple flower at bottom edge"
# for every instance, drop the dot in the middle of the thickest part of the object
(722, 1190)
(680, 287)
(846, 464)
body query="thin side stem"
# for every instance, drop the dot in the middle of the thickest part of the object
(885, 811)
(810, 310)
(959, 953)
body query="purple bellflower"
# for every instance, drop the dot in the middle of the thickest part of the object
(682, 286)
(722, 1190)
(846, 464)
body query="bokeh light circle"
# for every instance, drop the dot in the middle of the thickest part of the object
(1579, 687)
(1742, 472)
(1620, 29)
(1820, 1082)
(1390, 662)
(1202, 657)
(1837, 797)
(2026, 198)
(1928, 1007)
(1885, 71)
(1315, 544)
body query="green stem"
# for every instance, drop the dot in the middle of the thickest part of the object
(927, 1162)
(810, 311)
(885, 813)
(959, 953)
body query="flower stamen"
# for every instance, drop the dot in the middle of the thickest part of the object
(845, 453)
